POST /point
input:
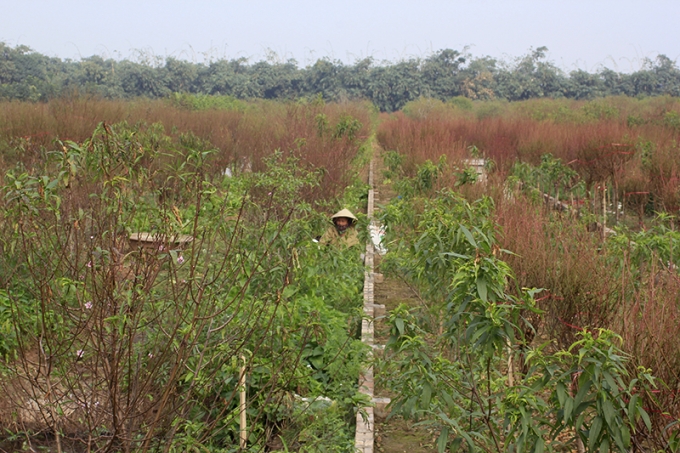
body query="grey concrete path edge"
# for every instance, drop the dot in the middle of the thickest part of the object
(365, 430)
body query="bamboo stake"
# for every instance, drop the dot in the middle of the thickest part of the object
(511, 367)
(242, 408)
(604, 210)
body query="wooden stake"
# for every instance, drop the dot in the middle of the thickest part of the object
(604, 210)
(242, 408)
(511, 367)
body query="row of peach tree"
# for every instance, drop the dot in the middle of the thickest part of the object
(106, 346)
(480, 359)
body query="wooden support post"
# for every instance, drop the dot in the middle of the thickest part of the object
(242, 408)
(511, 366)
(604, 210)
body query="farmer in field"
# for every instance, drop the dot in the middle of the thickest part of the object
(343, 231)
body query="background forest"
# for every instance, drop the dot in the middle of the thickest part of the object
(29, 75)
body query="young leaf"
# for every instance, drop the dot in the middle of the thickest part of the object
(561, 393)
(610, 381)
(632, 406)
(443, 440)
(426, 396)
(400, 325)
(595, 429)
(608, 409)
(448, 400)
(540, 446)
(604, 446)
(568, 407)
(645, 418)
(482, 289)
(455, 445)
(468, 236)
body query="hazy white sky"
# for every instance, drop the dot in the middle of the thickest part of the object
(580, 34)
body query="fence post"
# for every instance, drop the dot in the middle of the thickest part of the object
(242, 407)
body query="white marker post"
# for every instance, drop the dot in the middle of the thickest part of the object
(242, 392)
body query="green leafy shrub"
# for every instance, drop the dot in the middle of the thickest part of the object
(157, 333)
(462, 363)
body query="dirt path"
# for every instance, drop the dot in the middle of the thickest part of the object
(393, 435)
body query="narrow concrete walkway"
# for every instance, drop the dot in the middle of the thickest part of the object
(365, 416)
(365, 428)
(381, 294)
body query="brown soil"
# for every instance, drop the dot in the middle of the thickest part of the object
(394, 435)
(391, 292)
(398, 436)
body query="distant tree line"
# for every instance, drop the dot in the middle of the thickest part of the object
(31, 76)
